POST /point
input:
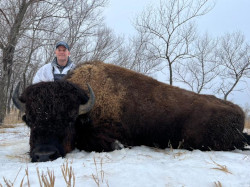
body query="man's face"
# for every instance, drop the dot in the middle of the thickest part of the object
(62, 53)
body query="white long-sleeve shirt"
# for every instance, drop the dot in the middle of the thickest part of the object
(47, 71)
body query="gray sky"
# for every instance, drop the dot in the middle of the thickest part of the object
(227, 16)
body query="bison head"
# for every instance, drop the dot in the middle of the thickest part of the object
(51, 110)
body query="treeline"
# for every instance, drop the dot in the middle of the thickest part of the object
(166, 40)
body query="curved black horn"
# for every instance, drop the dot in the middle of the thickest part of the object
(83, 109)
(15, 99)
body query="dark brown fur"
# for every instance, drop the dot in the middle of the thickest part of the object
(51, 110)
(154, 113)
(138, 110)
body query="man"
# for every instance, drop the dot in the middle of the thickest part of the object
(58, 68)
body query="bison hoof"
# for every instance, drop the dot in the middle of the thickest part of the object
(117, 145)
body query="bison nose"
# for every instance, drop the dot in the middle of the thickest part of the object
(44, 153)
(45, 156)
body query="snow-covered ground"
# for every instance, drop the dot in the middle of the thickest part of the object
(140, 166)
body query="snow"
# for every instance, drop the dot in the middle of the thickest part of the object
(138, 166)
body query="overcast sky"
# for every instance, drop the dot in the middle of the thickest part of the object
(226, 17)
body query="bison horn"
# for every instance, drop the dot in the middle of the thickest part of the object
(83, 109)
(15, 99)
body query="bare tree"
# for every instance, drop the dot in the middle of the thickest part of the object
(171, 30)
(22, 21)
(104, 44)
(234, 55)
(199, 72)
(13, 13)
(84, 25)
(29, 30)
(135, 56)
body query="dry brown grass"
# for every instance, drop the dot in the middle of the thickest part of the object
(68, 174)
(218, 184)
(247, 124)
(45, 179)
(12, 118)
(220, 167)
(9, 183)
(99, 176)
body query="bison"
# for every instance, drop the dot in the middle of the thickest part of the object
(102, 107)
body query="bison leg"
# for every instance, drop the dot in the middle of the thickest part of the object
(104, 137)
(99, 142)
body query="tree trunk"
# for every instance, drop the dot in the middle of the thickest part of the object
(8, 56)
(2, 98)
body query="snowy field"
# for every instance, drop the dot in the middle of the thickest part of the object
(140, 166)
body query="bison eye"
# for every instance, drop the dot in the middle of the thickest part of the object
(24, 118)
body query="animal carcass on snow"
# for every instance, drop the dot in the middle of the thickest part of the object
(124, 107)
